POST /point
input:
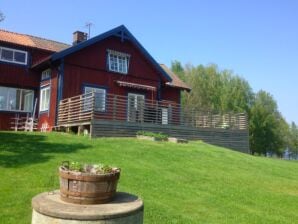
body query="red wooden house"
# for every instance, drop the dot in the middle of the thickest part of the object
(108, 85)
(108, 77)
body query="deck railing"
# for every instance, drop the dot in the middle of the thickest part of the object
(133, 108)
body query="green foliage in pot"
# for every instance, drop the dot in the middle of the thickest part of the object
(88, 168)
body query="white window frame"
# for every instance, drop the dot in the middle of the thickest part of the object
(100, 98)
(118, 61)
(13, 56)
(45, 97)
(46, 74)
(16, 99)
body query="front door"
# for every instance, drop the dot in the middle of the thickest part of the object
(135, 107)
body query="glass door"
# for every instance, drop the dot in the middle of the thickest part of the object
(135, 107)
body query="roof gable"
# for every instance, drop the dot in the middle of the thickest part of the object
(121, 32)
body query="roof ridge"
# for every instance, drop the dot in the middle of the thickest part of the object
(42, 38)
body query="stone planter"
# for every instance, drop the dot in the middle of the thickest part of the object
(144, 137)
(177, 140)
(88, 188)
(50, 209)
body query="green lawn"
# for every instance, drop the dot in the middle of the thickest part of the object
(185, 183)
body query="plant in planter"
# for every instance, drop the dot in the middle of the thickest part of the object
(87, 183)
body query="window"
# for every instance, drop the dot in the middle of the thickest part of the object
(28, 100)
(46, 74)
(100, 98)
(118, 61)
(44, 99)
(13, 55)
(14, 99)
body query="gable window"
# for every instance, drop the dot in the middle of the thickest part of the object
(14, 99)
(13, 55)
(46, 74)
(44, 99)
(118, 61)
(99, 98)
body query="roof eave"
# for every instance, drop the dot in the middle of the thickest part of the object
(42, 64)
(188, 89)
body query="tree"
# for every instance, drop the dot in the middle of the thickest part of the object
(268, 129)
(236, 94)
(205, 84)
(293, 138)
(2, 17)
(213, 90)
(178, 69)
(222, 92)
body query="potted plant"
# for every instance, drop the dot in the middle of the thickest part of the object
(87, 183)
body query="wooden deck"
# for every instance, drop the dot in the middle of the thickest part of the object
(88, 107)
(113, 115)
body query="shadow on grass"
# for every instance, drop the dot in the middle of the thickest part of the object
(24, 149)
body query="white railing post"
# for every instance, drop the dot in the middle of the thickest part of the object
(92, 105)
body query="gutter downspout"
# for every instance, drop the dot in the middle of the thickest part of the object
(159, 90)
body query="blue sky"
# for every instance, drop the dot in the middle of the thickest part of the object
(258, 40)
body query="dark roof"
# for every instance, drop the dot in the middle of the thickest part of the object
(31, 41)
(120, 31)
(176, 82)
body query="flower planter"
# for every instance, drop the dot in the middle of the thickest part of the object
(87, 188)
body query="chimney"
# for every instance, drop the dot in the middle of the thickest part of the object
(79, 37)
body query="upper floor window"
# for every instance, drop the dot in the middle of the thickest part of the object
(118, 61)
(13, 55)
(14, 99)
(46, 74)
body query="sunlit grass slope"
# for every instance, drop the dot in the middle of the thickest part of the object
(179, 183)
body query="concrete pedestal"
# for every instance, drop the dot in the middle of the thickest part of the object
(48, 208)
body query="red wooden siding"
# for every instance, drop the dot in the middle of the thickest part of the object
(5, 120)
(88, 66)
(170, 94)
(95, 57)
(20, 76)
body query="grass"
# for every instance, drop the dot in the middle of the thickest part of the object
(179, 183)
